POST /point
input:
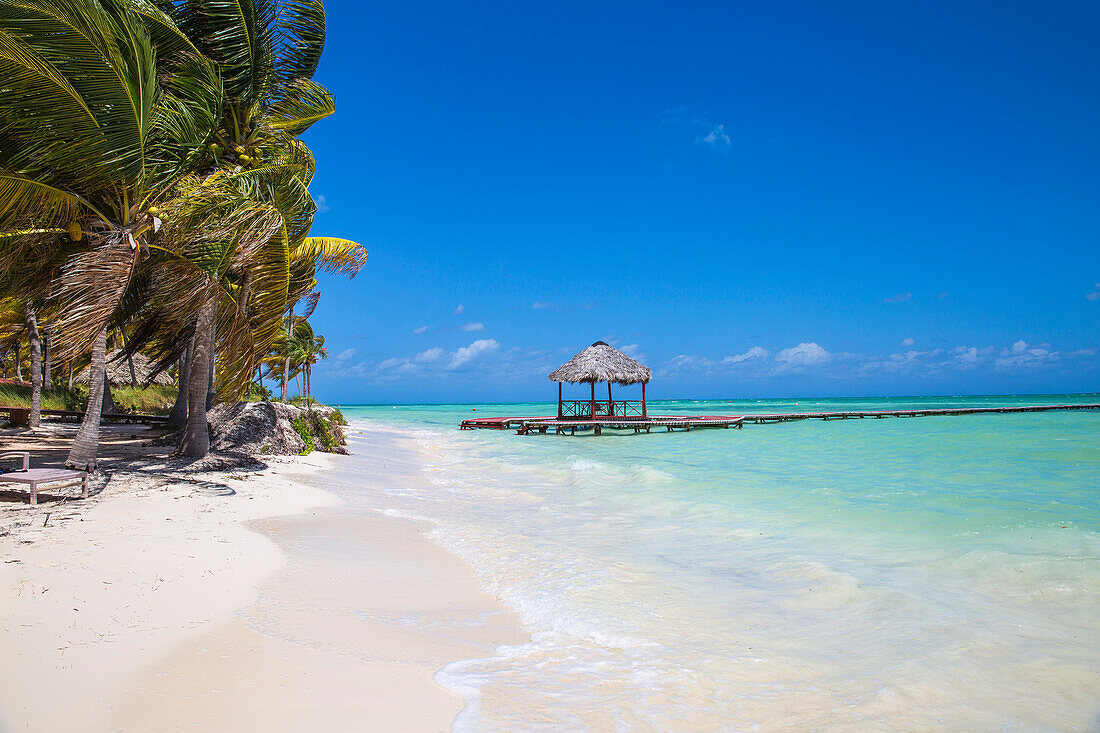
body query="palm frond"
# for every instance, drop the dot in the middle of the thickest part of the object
(300, 35)
(24, 200)
(87, 292)
(238, 35)
(301, 104)
(330, 254)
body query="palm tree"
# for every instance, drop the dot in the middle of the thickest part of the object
(310, 256)
(36, 367)
(266, 54)
(92, 140)
(302, 348)
(114, 114)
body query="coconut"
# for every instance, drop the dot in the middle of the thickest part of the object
(76, 233)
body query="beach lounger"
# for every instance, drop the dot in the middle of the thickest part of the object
(53, 477)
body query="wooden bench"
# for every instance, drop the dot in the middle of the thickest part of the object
(19, 416)
(54, 477)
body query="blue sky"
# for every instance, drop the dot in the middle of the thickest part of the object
(757, 199)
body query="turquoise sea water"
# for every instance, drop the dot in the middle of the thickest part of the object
(899, 574)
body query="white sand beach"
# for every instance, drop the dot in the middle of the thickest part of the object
(174, 605)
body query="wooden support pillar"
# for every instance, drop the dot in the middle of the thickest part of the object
(592, 405)
(559, 400)
(644, 413)
(610, 403)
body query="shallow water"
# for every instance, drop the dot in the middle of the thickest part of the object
(932, 573)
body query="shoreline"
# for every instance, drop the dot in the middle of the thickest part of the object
(161, 605)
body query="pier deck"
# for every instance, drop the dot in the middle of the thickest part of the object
(541, 425)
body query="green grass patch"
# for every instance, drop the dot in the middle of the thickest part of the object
(154, 400)
(19, 395)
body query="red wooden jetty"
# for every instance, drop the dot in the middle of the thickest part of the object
(602, 362)
(542, 425)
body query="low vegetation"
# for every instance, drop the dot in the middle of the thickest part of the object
(19, 395)
(321, 431)
(153, 400)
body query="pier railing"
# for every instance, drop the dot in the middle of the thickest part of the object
(583, 409)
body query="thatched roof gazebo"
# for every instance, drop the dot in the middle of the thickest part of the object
(118, 371)
(601, 362)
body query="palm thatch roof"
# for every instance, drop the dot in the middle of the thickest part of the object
(118, 371)
(601, 363)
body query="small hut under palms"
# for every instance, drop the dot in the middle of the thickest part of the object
(119, 374)
(601, 362)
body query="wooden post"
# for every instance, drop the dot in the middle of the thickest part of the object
(644, 413)
(592, 406)
(610, 403)
(559, 400)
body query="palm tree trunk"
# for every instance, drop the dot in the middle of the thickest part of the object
(210, 372)
(47, 381)
(108, 398)
(82, 456)
(286, 360)
(129, 360)
(286, 378)
(18, 366)
(178, 415)
(36, 367)
(196, 436)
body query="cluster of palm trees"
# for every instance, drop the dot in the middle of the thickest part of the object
(152, 181)
(294, 355)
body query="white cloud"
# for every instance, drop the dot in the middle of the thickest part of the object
(1095, 294)
(696, 363)
(422, 329)
(805, 354)
(322, 205)
(1024, 355)
(900, 298)
(710, 134)
(540, 306)
(908, 342)
(475, 326)
(471, 352)
(345, 354)
(717, 138)
(429, 356)
(756, 352)
(460, 309)
(966, 357)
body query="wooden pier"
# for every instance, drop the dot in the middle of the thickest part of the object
(542, 425)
